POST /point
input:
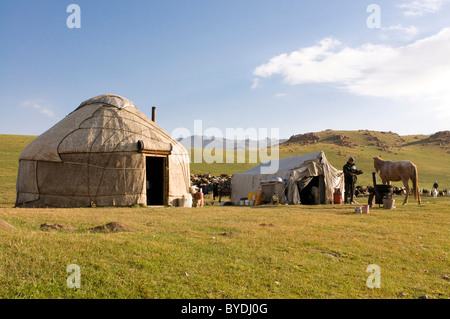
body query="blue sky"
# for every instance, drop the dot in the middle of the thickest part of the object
(299, 66)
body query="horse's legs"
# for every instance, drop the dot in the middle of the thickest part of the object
(405, 183)
(385, 181)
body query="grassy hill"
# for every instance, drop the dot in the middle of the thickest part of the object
(431, 155)
(10, 148)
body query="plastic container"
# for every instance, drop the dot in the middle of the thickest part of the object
(388, 203)
(365, 209)
(337, 196)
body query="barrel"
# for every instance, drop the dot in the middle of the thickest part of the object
(383, 191)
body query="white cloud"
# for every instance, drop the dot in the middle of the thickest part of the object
(40, 105)
(418, 71)
(404, 32)
(256, 84)
(303, 66)
(420, 7)
(280, 95)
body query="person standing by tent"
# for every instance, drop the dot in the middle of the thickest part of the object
(215, 190)
(350, 177)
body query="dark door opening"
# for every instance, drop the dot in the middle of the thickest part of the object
(155, 167)
(310, 193)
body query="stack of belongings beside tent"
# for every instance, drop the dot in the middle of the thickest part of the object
(206, 181)
(309, 179)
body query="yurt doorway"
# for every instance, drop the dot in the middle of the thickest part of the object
(155, 179)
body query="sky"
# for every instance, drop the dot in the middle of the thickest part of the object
(295, 66)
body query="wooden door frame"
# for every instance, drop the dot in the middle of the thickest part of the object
(165, 156)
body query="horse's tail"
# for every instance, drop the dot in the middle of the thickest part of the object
(415, 182)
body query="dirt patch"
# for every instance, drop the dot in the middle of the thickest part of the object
(230, 234)
(268, 225)
(427, 297)
(331, 253)
(5, 225)
(113, 227)
(47, 227)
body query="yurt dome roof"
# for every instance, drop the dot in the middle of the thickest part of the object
(109, 100)
(104, 124)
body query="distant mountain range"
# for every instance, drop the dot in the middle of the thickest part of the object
(205, 142)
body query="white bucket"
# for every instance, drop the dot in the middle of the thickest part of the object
(388, 203)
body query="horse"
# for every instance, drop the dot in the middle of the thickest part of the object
(398, 171)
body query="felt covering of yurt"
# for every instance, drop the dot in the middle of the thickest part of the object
(96, 156)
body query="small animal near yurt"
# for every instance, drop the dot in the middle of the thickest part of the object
(302, 175)
(105, 153)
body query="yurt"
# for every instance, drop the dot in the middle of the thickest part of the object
(105, 153)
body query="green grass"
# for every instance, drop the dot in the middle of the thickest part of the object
(307, 252)
(10, 148)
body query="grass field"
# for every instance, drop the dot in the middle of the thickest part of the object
(229, 252)
(10, 148)
(233, 252)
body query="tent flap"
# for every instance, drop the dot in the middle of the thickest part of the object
(293, 170)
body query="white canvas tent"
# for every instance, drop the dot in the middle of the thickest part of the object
(298, 171)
